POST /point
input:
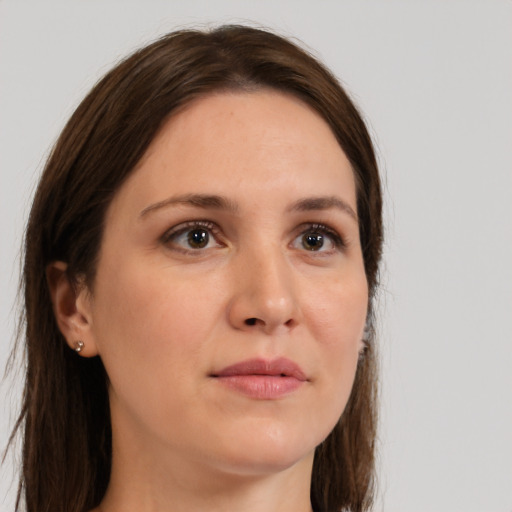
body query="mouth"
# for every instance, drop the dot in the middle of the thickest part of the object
(262, 379)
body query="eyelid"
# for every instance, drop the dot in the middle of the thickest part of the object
(183, 227)
(337, 239)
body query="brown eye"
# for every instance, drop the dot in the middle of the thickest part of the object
(312, 241)
(193, 236)
(318, 238)
(198, 238)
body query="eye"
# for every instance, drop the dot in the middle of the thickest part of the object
(197, 238)
(192, 236)
(318, 238)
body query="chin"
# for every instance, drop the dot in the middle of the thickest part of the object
(266, 464)
(269, 451)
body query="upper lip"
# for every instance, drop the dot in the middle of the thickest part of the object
(272, 367)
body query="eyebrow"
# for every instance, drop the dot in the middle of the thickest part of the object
(195, 200)
(323, 203)
(222, 203)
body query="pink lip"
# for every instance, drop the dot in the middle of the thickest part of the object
(263, 379)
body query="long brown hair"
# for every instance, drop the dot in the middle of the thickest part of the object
(65, 414)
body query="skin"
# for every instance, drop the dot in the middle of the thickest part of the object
(165, 316)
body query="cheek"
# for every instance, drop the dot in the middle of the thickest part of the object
(337, 312)
(143, 321)
(150, 334)
(146, 308)
(337, 318)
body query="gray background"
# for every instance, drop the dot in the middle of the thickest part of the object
(434, 79)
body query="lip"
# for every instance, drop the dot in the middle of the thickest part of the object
(262, 378)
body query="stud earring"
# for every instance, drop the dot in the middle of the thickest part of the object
(367, 331)
(79, 345)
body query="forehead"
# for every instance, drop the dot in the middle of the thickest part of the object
(265, 115)
(219, 142)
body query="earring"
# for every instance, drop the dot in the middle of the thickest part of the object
(364, 340)
(367, 331)
(79, 345)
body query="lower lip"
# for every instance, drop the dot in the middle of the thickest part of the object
(263, 387)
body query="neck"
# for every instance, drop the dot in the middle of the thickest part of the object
(147, 479)
(196, 489)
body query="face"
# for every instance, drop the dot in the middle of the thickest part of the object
(230, 295)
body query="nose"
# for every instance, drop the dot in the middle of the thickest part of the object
(264, 297)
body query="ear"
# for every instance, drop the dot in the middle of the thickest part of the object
(367, 333)
(72, 309)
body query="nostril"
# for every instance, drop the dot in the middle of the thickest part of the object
(254, 321)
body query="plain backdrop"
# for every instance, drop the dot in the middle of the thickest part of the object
(434, 80)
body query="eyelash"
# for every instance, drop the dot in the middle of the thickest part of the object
(180, 229)
(309, 227)
(323, 229)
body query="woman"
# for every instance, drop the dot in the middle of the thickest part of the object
(200, 262)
